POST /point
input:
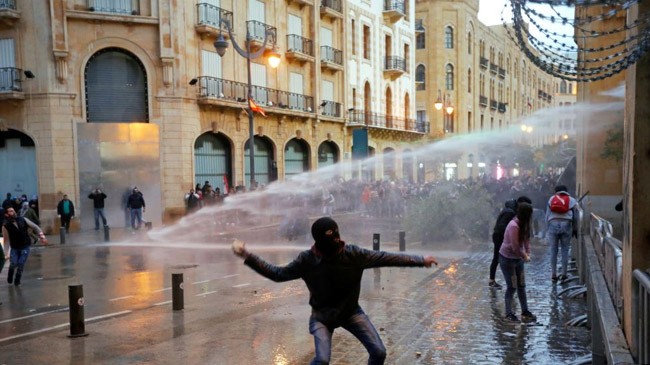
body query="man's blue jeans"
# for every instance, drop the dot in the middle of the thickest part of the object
(559, 235)
(514, 275)
(360, 326)
(136, 214)
(99, 212)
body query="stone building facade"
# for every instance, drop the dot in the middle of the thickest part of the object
(133, 93)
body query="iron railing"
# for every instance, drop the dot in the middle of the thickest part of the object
(610, 257)
(493, 68)
(502, 107)
(296, 43)
(502, 72)
(371, 119)
(214, 87)
(641, 316)
(331, 54)
(419, 26)
(483, 62)
(395, 63)
(331, 108)
(332, 4)
(482, 100)
(257, 30)
(115, 6)
(208, 14)
(493, 104)
(10, 79)
(395, 5)
(8, 4)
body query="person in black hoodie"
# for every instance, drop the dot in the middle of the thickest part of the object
(332, 272)
(98, 197)
(16, 237)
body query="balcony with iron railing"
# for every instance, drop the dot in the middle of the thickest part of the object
(419, 26)
(300, 48)
(331, 58)
(494, 69)
(394, 66)
(257, 30)
(302, 2)
(394, 10)
(208, 20)
(502, 72)
(228, 93)
(331, 109)
(483, 62)
(122, 7)
(493, 104)
(377, 120)
(420, 85)
(9, 13)
(502, 107)
(331, 9)
(11, 86)
(483, 100)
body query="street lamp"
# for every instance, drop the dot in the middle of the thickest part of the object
(221, 45)
(449, 108)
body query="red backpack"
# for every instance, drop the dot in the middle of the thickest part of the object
(560, 203)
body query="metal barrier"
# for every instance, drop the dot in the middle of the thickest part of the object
(641, 316)
(610, 256)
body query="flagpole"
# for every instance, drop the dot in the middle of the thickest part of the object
(251, 117)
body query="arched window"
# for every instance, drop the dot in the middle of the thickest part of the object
(469, 43)
(420, 41)
(449, 77)
(420, 77)
(449, 37)
(115, 77)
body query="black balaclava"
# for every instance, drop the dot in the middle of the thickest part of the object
(326, 236)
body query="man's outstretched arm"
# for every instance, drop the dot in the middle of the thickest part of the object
(266, 269)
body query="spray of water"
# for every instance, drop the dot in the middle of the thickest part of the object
(256, 216)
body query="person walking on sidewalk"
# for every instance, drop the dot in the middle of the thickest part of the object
(505, 216)
(65, 210)
(514, 251)
(18, 243)
(98, 197)
(332, 272)
(562, 221)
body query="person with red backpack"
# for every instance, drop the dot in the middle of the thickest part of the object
(562, 220)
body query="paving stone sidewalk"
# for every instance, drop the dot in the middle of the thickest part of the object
(455, 318)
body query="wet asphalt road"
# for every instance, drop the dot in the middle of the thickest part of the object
(232, 315)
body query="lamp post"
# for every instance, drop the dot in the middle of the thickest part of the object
(274, 61)
(449, 109)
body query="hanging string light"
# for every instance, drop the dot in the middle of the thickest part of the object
(619, 46)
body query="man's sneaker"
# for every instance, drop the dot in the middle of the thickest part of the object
(528, 317)
(495, 285)
(510, 317)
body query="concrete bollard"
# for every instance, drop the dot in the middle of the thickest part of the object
(375, 241)
(76, 303)
(62, 235)
(402, 241)
(107, 233)
(177, 292)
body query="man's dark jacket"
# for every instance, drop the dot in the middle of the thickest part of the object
(334, 282)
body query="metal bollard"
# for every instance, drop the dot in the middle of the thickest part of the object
(107, 234)
(402, 241)
(375, 241)
(148, 226)
(76, 303)
(62, 235)
(177, 292)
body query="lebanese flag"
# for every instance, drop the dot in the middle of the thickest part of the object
(255, 108)
(226, 188)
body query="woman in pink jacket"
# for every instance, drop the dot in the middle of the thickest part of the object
(514, 251)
